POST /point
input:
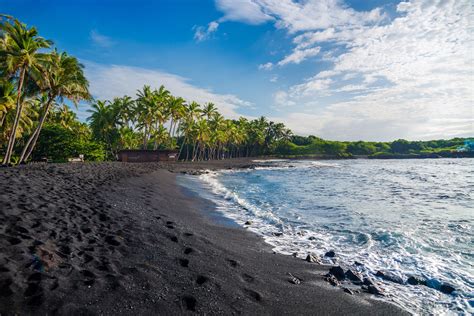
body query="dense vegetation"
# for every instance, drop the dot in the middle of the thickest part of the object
(36, 79)
(312, 146)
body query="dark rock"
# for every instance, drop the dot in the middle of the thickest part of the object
(447, 288)
(354, 276)
(312, 258)
(277, 234)
(332, 280)
(294, 279)
(338, 272)
(248, 223)
(311, 238)
(373, 289)
(357, 263)
(368, 282)
(389, 276)
(330, 254)
(348, 291)
(414, 280)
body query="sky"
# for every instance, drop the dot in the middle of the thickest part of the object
(341, 70)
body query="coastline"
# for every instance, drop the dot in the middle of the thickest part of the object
(114, 238)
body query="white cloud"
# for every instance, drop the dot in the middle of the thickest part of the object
(246, 11)
(109, 81)
(307, 15)
(274, 78)
(311, 87)
(100, 39)
(267, 66)
(202, 33)
(281, 99)
(352, 87)
(326, 74)
(349, 76)
(299, 55)
(410, 77)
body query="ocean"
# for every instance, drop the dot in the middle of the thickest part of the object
(408, 217)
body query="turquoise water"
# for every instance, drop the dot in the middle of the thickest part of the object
(410, 217)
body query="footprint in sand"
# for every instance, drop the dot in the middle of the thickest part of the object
(183, 262)
(201, 279)
(253, 295)
(248, 278)
(189, 302)
(232, 263)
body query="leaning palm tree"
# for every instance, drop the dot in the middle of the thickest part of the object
(63, 77)
(20, 55)
(7, 99)
(26, 122)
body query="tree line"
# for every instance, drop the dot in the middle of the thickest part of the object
(155, 119)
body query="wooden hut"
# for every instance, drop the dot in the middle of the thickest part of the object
(145, 155)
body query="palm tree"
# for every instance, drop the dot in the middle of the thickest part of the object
(65, 117)
(126, 108)
(216, 123)
(63, 77)
(192, 112)
(160, 136)
(19, 55)
(160, 110)
(177, 112)
(27, 119)
(103, 122)
(209, 110)
(202, 137)
(7, 98)
(144, 108)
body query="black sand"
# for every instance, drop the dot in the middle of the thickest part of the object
(123, 239)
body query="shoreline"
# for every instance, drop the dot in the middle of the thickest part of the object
(116, 238)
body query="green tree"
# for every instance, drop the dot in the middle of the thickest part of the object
(20, 56)
(62, 77)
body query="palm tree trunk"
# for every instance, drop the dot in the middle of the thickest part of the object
(3, 119)
(19, 108)
(144, 138)
(182, 146)
(31, 143)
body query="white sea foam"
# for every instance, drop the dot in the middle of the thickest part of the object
(269, 160)
(324, 164)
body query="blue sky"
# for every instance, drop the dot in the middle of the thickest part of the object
(373, 70)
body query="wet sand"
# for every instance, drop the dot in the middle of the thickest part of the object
(125, 239)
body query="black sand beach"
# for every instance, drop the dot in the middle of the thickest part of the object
(124, 239)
